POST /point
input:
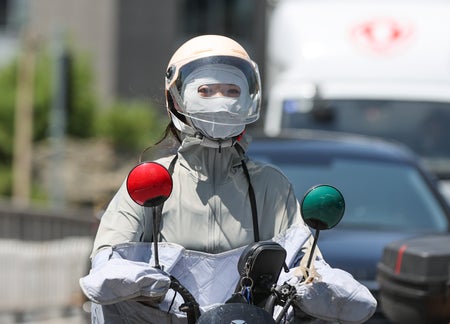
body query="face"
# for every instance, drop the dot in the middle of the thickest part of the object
(219, 90)
(216, 100)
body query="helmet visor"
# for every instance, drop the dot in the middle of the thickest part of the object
(224, 108)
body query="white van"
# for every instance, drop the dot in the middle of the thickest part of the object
(379, 68)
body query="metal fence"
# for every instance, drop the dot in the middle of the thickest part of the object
(39, 224)
(43, 255)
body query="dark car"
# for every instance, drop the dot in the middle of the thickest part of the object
(389, 196)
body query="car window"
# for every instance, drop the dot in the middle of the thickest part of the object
(378, 195)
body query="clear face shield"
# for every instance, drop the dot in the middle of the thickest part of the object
(218, 95)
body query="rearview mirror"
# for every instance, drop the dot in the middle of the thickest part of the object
(322, 207)
(149, 184)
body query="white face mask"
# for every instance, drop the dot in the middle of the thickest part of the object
(217, 117)
(217, 131)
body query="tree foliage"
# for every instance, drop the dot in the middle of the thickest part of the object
(128, 126)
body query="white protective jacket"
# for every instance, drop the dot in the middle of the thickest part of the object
(207, 221)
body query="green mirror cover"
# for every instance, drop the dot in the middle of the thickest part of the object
(322, 207)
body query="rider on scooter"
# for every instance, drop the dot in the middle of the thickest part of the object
(220, 202)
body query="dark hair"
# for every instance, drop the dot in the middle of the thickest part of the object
(170, 132)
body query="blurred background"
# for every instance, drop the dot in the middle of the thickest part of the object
(82, 72)
(81, 95)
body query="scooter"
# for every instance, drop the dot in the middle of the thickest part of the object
(257, 294)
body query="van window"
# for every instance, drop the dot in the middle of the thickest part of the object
(423, 126)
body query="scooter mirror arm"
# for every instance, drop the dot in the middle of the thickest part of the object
(156, 224)
(313, 248)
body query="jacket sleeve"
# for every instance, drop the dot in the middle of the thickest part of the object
(323, 292)
(334, 295)
(114, 279)
(123, 221)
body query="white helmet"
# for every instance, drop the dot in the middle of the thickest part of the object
(211, 60)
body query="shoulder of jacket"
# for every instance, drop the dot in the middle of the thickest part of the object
(165, 161)
(256, 167)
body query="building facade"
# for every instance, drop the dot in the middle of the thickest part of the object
(130, 42)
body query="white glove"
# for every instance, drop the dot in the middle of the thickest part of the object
(334, 296)
(112, 280)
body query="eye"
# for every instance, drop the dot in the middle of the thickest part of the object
(205, 91)
(233, 91)
(219, 90)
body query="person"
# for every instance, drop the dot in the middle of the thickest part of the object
(221, 201)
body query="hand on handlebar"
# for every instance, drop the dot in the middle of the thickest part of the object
(336, 296)
(118, 279)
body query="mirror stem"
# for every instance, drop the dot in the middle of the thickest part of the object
(156, 224)
(316, 238)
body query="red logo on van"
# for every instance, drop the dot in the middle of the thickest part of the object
(382, 35)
